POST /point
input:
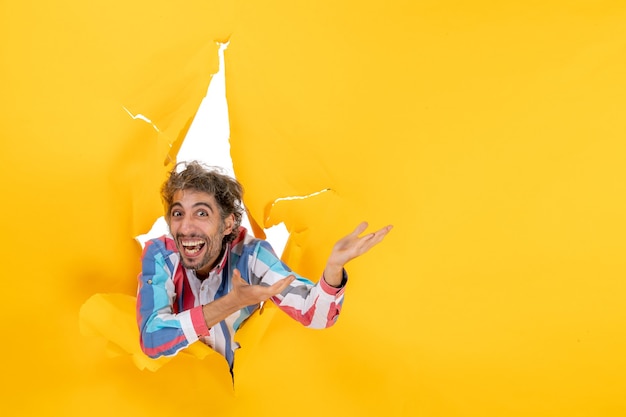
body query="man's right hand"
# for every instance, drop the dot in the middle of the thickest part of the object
(241, 295)
(247, 294)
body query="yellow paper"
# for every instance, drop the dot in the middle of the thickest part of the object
(490, 134)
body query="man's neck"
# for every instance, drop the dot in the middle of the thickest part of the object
(203, 273)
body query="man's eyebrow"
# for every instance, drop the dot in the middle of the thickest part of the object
(198, 204)
(202, 203)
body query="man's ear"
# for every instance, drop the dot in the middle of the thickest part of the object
(229, 222)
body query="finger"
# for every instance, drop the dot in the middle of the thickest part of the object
(281, 285)
(237, 278)
(359, 229)
(385, 229)
(380, 234)
(377, 235)
(374, 238)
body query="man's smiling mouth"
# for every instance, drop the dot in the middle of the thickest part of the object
(192, 247)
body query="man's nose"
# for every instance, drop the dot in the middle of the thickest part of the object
(185, 224)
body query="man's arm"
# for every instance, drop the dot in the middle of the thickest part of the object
(348, 248)
(163, 332)
(315, 306)
(244, 294)
(241, 295)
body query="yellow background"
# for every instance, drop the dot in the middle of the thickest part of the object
(492, 135)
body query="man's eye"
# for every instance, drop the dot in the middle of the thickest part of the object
(176, 214)
(202, 213)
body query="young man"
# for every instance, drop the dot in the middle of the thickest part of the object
(207, 276)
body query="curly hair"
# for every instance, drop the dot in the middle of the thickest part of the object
(194, 175)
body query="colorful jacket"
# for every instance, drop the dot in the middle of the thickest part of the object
(170, 297)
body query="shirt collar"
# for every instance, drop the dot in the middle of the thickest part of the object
(223, 261)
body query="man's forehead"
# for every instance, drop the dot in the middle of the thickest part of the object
(193, 196)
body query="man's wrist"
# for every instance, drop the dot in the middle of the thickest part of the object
(217, 310)
(333, 275)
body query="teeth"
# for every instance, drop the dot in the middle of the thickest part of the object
(192, 243)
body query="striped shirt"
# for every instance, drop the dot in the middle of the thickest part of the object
(170, 297)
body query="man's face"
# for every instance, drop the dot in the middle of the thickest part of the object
(198, 230)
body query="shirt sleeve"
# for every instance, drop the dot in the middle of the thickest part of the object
(314, 305)
(162, 331)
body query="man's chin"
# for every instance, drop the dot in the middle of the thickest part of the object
(192, 263)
